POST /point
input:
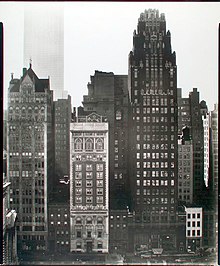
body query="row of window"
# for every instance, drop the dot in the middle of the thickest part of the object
(89, 191)
(89, 175)
(154, 164)
(79, 245)
(193, 215)
(89, 183)
(89, 157)
(155, 182)
(150, 201)
(88, 144)
(89, 167)
(90, 200)
(193, 233)
(89, 220)
(162, 146)
(155, 192)
(89, 234)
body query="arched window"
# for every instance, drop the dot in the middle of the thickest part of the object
(89, 145)
(99, 144)
(99, 220)
(78, 145)
(23, 112)
(78, 220)
(89, 220)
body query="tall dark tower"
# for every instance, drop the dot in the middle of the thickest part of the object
(153, 96)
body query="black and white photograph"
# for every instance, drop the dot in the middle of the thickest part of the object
(110, 133)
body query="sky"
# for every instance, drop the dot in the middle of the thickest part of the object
(99, 36)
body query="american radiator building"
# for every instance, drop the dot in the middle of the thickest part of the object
(153, 95)
(89, 185)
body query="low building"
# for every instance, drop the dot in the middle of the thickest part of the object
(118, 232)
(194, 229)
(89, 188)
(58, 227)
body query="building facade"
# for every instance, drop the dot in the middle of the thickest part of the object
(30, 157)
(89, 185)
(194, 228)
(62, 119)
(44, 43)
(185, 168)
(9, 232)
(108, 96)
(58, 226)
(153, 96)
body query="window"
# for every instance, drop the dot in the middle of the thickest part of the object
(99, 167)
(89, 145)
(88, 183)
(99, 191)
(78, 167)
(99, 234)
(89, 175)
(118, 115)
(89, 234)
(78, 234)
(78, 175)
(99, 175)
(78, 245)
(89, 220)
(99, 144)
(89, 191)
(78, 145)
(99, 183)
(88, 167)
(99, 220)
(78, 220)
(99, 245)
(99, 199)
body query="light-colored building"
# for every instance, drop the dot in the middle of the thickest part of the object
(194, 228)
(44, 43)
(30, 157)
(89, 185)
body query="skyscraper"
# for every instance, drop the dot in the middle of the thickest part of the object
(153, 95)
(44, 43)
(30, 157)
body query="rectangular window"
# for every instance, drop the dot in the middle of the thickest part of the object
(78, 167)
(88, 167)
(99, 167)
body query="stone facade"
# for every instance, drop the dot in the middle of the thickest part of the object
(89, 185)
(30, 157)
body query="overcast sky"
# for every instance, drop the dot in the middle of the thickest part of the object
(98, 36)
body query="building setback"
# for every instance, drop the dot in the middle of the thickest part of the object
(30, 157)
(89, 185)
